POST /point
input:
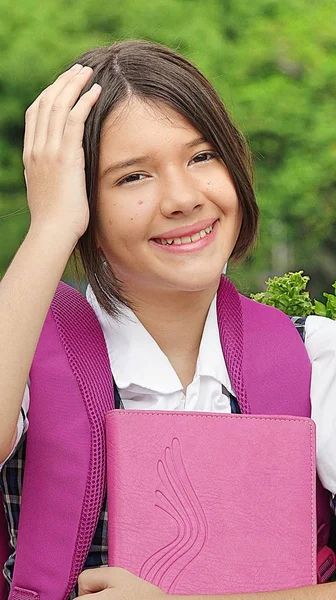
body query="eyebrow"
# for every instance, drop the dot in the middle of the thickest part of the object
(142, 159)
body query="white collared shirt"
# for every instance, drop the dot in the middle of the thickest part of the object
(147, 380)
(144, 376)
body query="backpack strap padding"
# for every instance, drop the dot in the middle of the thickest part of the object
(64, 480)
(230, 325)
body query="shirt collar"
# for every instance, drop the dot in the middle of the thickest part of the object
(211, 361)
(136, 358)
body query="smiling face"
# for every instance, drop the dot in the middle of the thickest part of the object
(169, 219)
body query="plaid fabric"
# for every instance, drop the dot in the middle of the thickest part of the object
(11, 478)
(300, 324)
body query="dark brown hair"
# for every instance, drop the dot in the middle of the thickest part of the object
(151, 71)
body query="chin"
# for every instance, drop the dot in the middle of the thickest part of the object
(196, 281)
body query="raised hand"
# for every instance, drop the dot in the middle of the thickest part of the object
(54, 169)
(53, 154)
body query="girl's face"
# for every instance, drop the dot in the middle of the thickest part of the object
(169, 217)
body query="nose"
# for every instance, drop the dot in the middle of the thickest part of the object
(180, 196)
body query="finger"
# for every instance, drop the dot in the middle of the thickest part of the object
(63, 104)
(103, 595)
(96, 580)
(47, 99)
(74, 128)
(30, 125)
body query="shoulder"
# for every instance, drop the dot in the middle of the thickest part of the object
(264, 313)
(68, 297)
(70, 309)
(320, 337)
(263, 309)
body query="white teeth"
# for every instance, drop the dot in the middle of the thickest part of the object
(187, 239)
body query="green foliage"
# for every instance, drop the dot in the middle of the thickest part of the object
(273, 63)
(288, 293)
(328, 309)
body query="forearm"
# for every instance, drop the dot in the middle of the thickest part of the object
(26, 292)
(326, 591)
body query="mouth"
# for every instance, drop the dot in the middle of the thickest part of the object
(190, 243)
(188, 239)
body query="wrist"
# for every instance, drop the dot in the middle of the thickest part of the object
(52, 233)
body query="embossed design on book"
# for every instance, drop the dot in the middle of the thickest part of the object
(177, 498)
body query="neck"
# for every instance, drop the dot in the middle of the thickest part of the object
(176, 322)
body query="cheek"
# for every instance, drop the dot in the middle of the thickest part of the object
(226, 199)
(124, 220)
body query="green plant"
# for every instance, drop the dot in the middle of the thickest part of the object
(328, 309)
(288, 294)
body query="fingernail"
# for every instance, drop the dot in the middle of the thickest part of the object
(74, 67)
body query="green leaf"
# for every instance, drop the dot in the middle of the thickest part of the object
(320, 309)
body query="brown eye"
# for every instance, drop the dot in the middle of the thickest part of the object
(204, 156)
(130, 178)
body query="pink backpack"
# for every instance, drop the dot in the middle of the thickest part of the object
(64, 479)
(4, 551)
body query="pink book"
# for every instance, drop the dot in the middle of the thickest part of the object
(203, 503)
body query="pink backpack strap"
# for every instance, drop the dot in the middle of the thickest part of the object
(230, 325)
(4, 550)
(255, 339)
(64, 480)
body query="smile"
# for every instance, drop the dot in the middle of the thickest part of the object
(188, 239)
(189, 243)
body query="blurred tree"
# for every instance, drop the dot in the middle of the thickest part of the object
(283, 72)
(272, 62)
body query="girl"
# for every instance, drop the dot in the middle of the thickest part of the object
(131, 157)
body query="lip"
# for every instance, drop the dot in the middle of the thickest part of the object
(188, 248)
(185, 231)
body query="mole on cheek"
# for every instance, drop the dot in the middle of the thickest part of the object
(140, 202)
